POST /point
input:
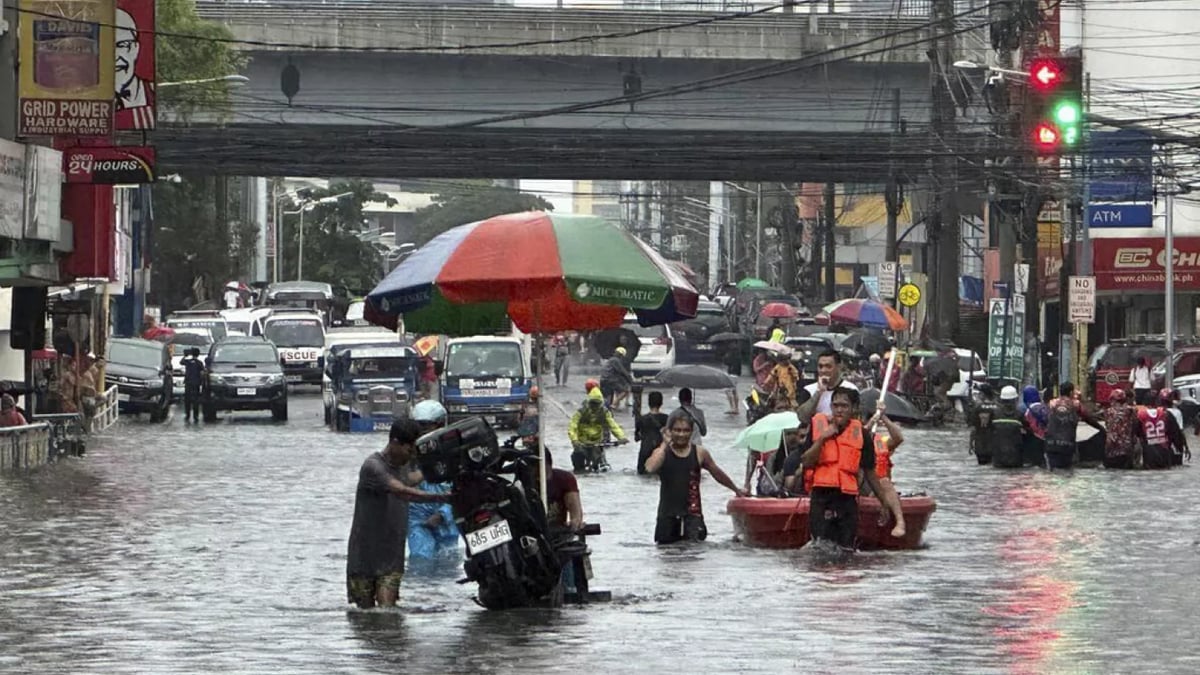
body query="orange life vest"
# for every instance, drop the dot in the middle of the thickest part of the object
(837, 466)
(883, 457)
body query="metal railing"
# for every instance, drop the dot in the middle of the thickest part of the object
(107, 411)
(68, 434)
(25, 447)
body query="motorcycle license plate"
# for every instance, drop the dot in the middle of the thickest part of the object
(489, 537)
(246, 391)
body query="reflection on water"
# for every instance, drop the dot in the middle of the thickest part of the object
(221, 548)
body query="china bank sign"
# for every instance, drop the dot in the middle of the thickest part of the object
(1139, 263)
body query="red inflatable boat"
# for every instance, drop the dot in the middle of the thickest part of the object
(767, 522)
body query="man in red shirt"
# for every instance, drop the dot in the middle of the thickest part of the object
(563, 506)
(9, 415)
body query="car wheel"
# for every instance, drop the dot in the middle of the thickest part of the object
(279, 411)
(210, 413)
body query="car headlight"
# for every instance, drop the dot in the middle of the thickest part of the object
(512, 406)
(216, 379)
(275, 379)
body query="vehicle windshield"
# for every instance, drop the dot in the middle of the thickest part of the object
(641, 331)
(191, 339)
(214, 326)
(969, 363)
(295, 333)
(389, 366)
(500, 359)
(300, 300)
(130, 354)
(1126, 356)
(242, 327)
(247, 352)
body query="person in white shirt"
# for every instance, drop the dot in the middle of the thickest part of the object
(817, 397)
(1139, 377)
(232, 299)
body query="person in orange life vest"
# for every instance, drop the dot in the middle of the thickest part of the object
(1161, 435)
(885, 442)
(842, 454)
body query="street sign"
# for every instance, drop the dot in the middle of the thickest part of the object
(909, 295)
(1005, 329)
(1021, 277)
(1119, 215)
(887, 279)
(1001, 288)
(1018, 303)
(1081, 300)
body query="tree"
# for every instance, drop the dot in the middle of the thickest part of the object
(193, 58)
(468, 202)
(333, 249)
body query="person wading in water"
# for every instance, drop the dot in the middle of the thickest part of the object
(678, 462)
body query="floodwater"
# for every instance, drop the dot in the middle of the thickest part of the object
(221, 548)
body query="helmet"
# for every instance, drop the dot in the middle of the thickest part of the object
(591, 384)
(621, 351)
(1008, 393)
(1117, 396)
(595, 396)
(533, 393)
(429, 411)
(1166, 395)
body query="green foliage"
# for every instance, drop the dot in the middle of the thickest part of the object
(333, 251)
(191, 249)
(467, 202)
(184, 58)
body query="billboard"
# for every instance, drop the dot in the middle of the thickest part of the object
(109, 165)
(1122, 166)
(12, 189)
(43, 193)
(1138, 263)
(134, 65)
(66, 68)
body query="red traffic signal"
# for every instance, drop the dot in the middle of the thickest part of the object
(1045, 74)
(1046, 136)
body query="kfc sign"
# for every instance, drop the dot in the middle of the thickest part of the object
(1139, 263)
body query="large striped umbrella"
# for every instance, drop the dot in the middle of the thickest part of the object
(546, 271)
(861, 312)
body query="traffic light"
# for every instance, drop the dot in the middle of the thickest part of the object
(1055, 103)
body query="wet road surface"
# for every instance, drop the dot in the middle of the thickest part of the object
(221, 548)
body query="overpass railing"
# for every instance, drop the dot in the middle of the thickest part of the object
(106, 412)
(913, 8)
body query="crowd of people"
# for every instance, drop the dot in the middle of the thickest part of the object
(1034, 429)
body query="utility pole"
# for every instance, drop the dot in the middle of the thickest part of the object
(758, 225)
(893, 198)
(945, 178)
(816, 248)
(830, 243)
(1169, 265)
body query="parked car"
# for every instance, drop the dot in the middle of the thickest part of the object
(1111, 363)
(658, 347)
(299, 335)
(971, 374)
(208, 319)
(691, 336)
(340, 338)
(1185, 370)
(141, 371)
(246, 321)
(244, 374)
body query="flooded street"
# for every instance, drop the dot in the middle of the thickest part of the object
(221, 548)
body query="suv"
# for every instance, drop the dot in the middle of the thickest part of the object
(1111, 363)
(141, 371)
(658, 347)
(1186, 371)
(691, 335)
(244, 374)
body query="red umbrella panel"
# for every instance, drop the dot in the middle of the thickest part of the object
(778, 310)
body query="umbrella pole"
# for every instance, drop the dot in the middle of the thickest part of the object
(539, 339)
(887, 380)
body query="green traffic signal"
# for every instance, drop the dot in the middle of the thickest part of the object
(1067, 113)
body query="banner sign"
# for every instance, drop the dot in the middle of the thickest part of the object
(134, 66)
(110, 165)
(1139, 263)
(1122, 166)
(66, 68)
(1004, 322)
(12, 189)
(43, 193)
(1119, 215)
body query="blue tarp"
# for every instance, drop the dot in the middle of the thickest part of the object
(970, 289)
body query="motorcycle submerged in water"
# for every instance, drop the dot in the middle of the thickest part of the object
(512, 554)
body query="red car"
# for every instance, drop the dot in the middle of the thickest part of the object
(1111, 363)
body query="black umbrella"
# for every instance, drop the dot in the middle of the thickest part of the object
(605, 342)
(695, 377)
(872, 341)
(728, 337)
(899, 409)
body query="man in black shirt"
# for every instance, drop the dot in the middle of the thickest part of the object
(649, 429)
(193, 376)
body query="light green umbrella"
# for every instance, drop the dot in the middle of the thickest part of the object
(751, 282)
(765, 434)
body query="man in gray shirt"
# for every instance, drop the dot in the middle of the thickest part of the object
(375, 553)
